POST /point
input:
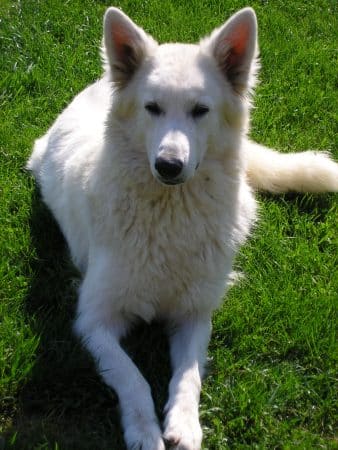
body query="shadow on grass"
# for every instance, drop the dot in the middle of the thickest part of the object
(65, 405)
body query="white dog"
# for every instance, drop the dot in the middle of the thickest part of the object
(149, 175)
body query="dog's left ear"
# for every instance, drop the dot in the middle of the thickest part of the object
(125, 45)
(235, 48)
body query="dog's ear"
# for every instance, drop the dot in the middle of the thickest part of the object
(125, 45)
(235, 48)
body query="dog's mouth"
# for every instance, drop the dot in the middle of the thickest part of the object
(168, 182)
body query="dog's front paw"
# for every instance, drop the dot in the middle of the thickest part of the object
(182, 430)
(145, 436)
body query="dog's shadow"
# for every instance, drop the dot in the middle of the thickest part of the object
(65, 401)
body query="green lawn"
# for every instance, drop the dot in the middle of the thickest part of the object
(271, 378)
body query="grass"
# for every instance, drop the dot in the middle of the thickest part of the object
(271, 381)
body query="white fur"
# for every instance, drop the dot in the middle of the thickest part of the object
(147, 249)
(309, 171)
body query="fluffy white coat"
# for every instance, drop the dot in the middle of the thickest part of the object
(149, 174)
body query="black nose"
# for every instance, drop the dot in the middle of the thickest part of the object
(168, 168)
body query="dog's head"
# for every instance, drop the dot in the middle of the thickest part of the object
(182, 100)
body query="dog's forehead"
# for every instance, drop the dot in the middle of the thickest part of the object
(177, 66)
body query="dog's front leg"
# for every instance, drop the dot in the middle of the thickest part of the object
(101, 331)
(189, 340)
(141, 429)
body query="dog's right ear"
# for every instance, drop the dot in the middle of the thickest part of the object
(125, 45)
(235, 49)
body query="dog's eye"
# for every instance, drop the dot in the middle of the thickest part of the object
(199, 111)
(153, 109)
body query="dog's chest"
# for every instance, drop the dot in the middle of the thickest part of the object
(174, 226)
(169, 247)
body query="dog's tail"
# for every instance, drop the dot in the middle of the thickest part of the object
(271, 171)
